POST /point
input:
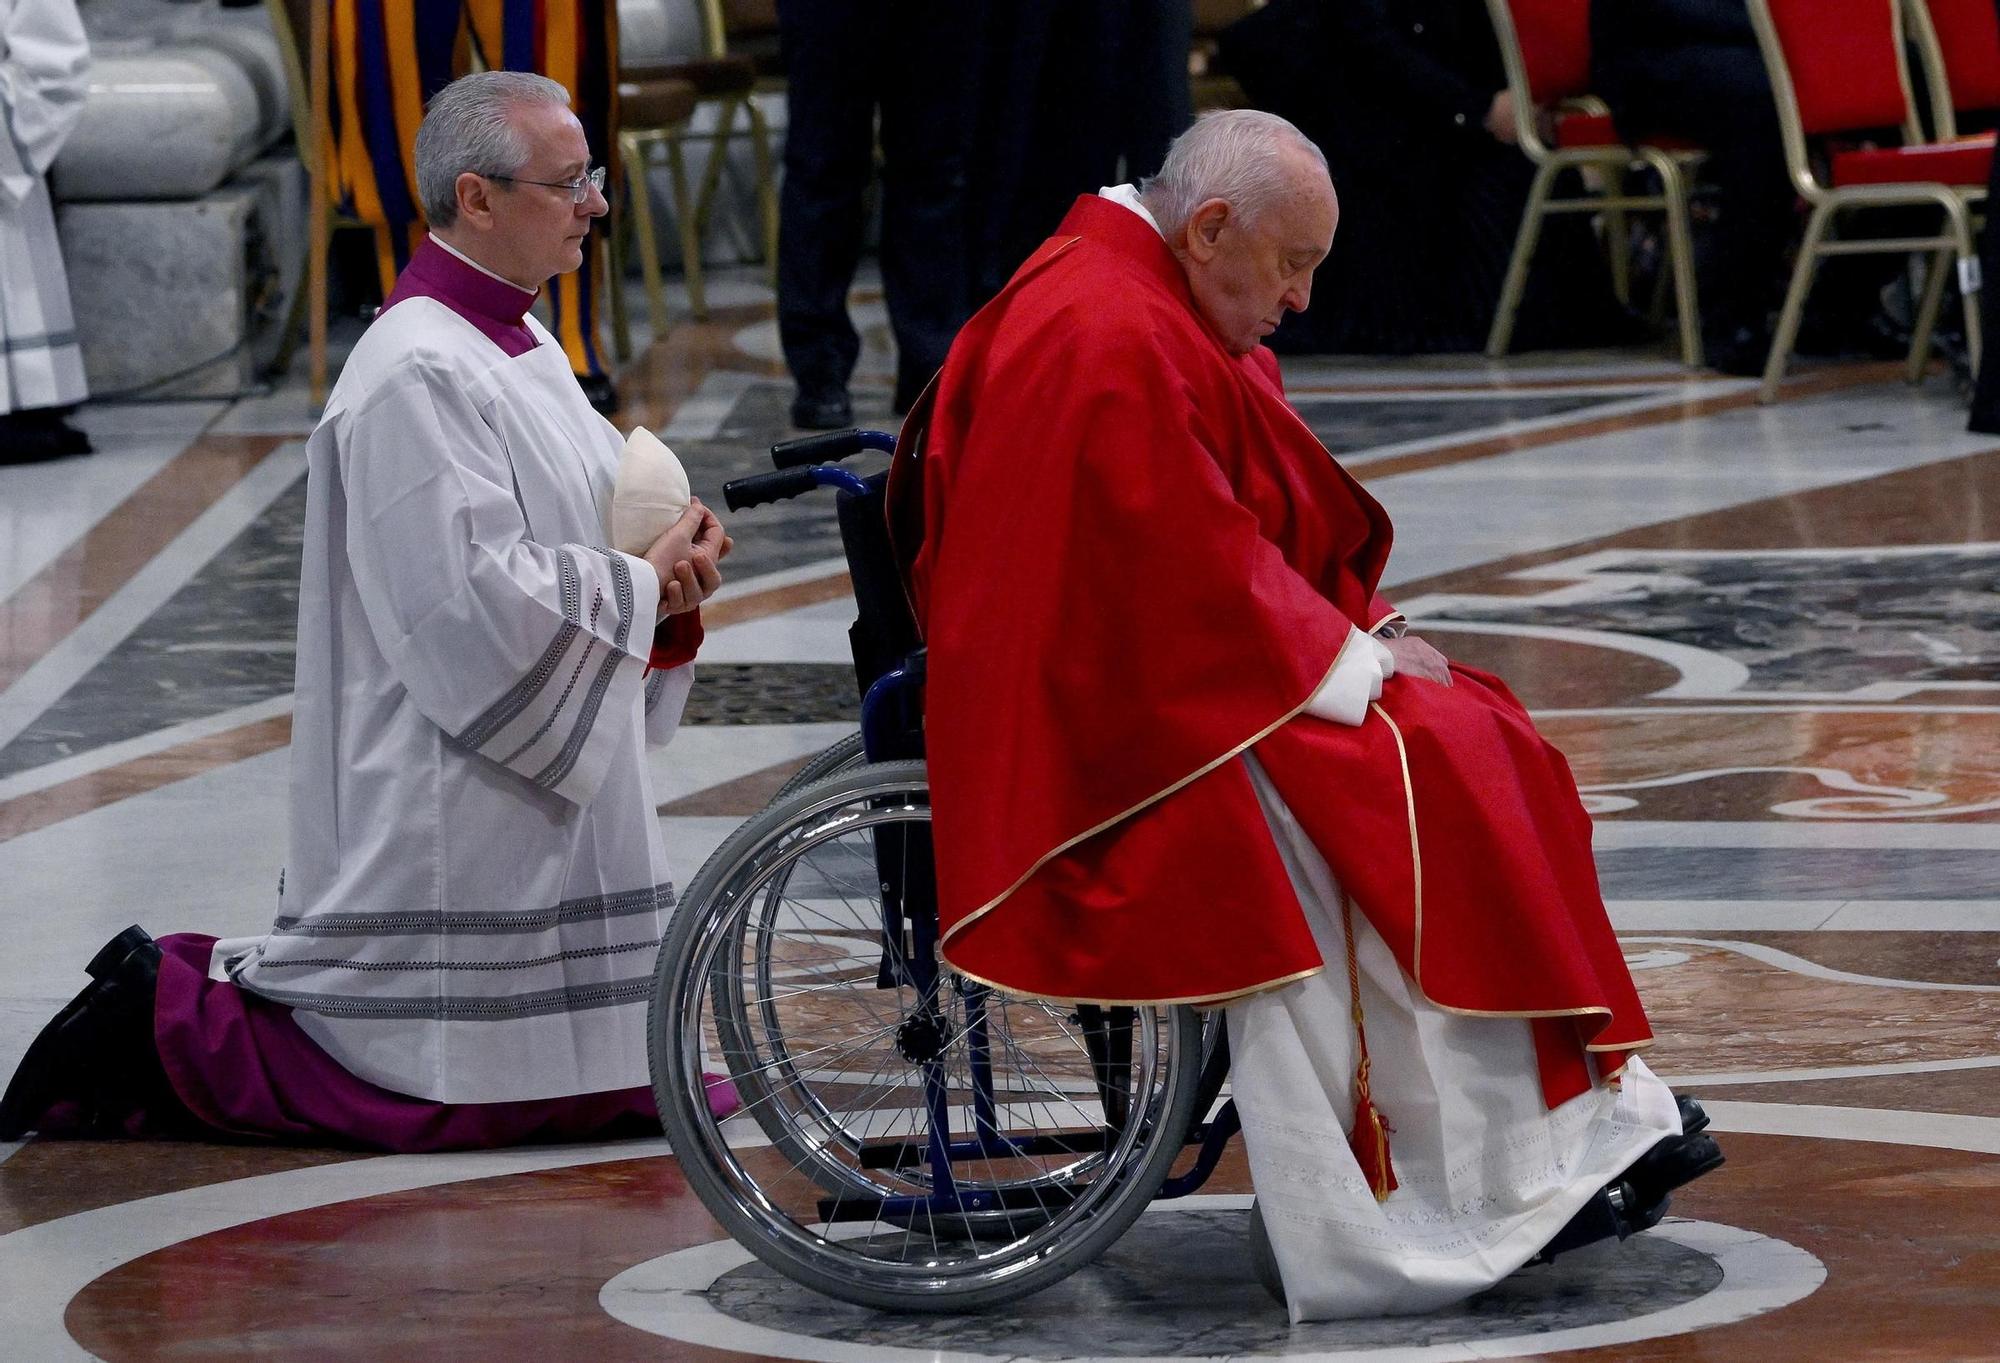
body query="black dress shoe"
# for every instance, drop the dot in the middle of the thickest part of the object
(829, 411)
(1694, 1117)
(1741, 351)
(1670, 1164)
(599, 392)
(99, 1049)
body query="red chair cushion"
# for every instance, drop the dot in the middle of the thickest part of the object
(1596, 130)
(1965, 162)
(1555, 46)
(1969, 34)
(1842, 58)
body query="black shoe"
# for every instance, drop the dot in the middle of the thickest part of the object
(599, 392)
(823, 411)
(1670, 1164)
(31, 442)
(1742, 351)
(99, 1049)
(1694, 1117)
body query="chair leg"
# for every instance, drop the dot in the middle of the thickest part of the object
(1968, 249)
(1939, 264)
(634, 148)
(767, 187)
(1795, 302)
(1680, 253)
(686, 214)
(1502, 333)
(1618, 243)
(711, 174)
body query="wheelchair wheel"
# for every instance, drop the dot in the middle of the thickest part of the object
(848, 752)
(911, 1140)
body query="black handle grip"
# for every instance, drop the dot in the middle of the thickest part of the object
(816, 449)
(760, 488)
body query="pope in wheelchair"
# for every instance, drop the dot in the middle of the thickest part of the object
(1179, 759)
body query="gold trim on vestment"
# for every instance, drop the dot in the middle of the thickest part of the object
(1391, 618)
(1417, 946)
(1191, 1000)
(1149, 801)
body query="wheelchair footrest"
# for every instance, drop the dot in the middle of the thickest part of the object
(907, 1154)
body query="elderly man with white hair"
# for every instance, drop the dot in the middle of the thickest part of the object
(476, 888)
(1181, 750)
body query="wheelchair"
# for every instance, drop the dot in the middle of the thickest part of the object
(909, 1140)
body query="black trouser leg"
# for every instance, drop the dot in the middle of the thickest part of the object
(927, 117)
(833, 83)
(1720, 97)
(1986, 396)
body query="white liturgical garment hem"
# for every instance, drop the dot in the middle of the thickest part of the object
(1487, 1173)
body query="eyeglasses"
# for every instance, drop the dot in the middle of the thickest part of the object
(579, 188)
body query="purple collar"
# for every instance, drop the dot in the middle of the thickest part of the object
(496, 307)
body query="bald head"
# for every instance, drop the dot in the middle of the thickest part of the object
(1246, 204)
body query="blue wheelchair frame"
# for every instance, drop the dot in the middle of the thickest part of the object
(892, 728)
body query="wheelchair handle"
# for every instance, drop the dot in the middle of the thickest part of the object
(760, 488)
(815, 449)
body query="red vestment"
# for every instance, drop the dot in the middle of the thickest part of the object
(1136, 564)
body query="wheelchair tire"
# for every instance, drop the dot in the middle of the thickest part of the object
(747, 930)
(848, 752)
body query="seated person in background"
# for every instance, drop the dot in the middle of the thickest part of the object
(1691, 69)
(1410, 104)
(463, 954)
(1228, 777)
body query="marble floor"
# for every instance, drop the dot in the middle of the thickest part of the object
(1766, 637)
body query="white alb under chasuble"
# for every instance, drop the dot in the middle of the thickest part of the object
(1487, 1173)
(476, 886)
(44, 60)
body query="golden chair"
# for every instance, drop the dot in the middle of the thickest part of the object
(1837, 69)
(1545, 48)
(728, 82)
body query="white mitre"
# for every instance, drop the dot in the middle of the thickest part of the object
(651, 493)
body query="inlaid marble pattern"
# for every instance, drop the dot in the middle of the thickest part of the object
(1135, 1302)
(1858, 624)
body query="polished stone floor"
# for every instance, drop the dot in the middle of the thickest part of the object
(1765, 637)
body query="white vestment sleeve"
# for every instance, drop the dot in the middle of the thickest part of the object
(666, 698)
(44, 60)
(1355, 681)
(530, 654)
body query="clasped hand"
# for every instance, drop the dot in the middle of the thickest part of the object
(687, 557)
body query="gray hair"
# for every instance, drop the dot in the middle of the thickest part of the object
(468, 126)
(1235, 155)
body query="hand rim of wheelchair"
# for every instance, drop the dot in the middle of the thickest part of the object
(971, 1271)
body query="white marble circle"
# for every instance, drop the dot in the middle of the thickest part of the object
(1747, 1274)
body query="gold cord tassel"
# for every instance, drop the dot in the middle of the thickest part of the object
(1370, 1137)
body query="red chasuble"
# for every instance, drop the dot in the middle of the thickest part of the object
(1136, 564)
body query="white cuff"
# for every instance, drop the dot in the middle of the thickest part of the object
(1355, 681)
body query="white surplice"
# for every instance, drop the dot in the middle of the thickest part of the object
(44, 61)
(476, 886)
(1487, 1173)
